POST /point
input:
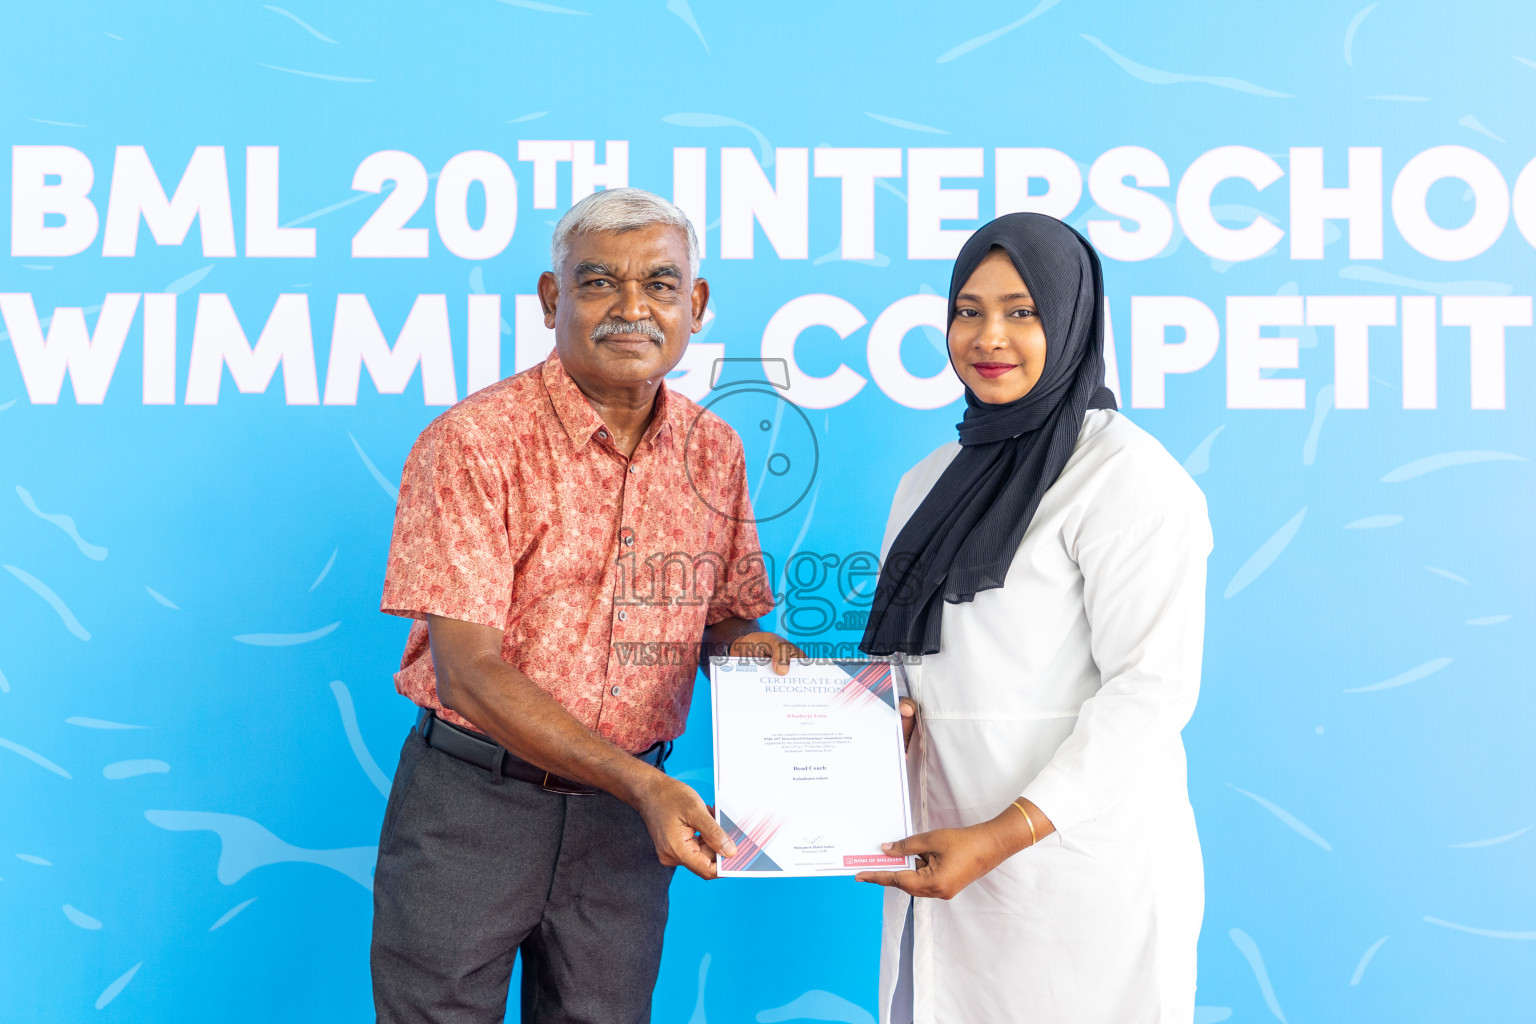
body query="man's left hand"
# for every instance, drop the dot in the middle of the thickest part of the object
(766, 645)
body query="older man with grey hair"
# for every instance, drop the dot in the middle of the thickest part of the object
(565, 540)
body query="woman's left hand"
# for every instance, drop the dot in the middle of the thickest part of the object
(948, 860)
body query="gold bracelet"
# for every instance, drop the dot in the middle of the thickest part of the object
(1031, 821)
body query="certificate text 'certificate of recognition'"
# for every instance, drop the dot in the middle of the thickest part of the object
(810, 772)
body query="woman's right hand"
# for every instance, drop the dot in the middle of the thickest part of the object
(908, 721)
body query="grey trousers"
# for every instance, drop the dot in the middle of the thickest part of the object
(475, 868)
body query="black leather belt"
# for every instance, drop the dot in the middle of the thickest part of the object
(483, 752)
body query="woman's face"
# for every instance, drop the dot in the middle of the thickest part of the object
(997, 342)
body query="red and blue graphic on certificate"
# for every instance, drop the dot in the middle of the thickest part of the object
(810, 770)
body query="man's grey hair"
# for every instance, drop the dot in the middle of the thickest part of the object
(619, 209)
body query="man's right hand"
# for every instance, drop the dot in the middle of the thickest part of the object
(908, 721)
(684, 831)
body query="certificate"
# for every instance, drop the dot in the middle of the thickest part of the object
(810, 767)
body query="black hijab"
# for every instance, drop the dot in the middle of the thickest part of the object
(964, 535)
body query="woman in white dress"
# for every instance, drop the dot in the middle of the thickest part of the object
(1049, 570)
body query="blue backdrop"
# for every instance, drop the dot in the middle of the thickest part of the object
(196, 712)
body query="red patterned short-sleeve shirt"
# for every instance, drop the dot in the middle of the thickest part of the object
(518, 512)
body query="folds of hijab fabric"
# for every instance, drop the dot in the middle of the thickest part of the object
(965, 533)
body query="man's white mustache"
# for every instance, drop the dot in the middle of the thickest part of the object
(645, 327)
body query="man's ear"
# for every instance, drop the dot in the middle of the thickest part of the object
(549, 296)
(700, 301)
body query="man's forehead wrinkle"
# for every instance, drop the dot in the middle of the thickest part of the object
(613, 249)
(601, 269)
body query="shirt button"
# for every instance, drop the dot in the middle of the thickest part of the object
(628, 540)
(623, 616)
(633, 468)
(614, 690)
(603, 434)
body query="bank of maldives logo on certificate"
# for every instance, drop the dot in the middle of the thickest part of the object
(810, 770)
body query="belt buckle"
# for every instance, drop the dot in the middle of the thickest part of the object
(553, 784)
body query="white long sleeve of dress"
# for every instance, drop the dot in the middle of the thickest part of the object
(1069, 685)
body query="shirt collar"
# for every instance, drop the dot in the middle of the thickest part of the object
(581, 421)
